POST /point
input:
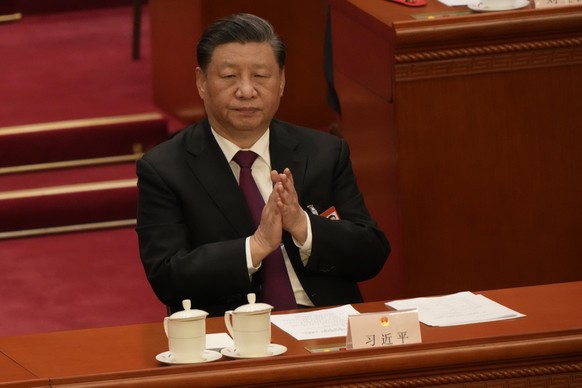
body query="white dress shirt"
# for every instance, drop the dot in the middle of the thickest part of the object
(261, 171)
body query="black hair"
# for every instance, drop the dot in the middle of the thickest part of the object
(238, 28)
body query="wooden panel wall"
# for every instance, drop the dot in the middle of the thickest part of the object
(467, 142)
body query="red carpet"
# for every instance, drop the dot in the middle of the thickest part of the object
(72, 65)
(65, 66)
(89, 281)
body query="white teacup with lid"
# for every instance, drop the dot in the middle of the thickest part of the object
(250, 327)
(186, 332)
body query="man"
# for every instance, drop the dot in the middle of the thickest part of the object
(200, 238)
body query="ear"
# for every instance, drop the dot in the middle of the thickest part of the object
(200, 82)
(282, 87)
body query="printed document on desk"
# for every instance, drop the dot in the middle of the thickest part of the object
(455, 3)
(327, 323)
(457, 309)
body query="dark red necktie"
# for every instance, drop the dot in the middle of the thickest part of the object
(277, 290)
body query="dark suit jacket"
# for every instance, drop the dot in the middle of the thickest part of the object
(193, 220)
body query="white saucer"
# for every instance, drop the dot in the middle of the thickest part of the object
(208, 356)
(480, 7)
(272, 350)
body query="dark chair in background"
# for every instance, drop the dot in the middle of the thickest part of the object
(136, 33)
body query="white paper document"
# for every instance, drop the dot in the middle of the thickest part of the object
(218, 341)
(455, 3)
(457, 309)
(326, 323)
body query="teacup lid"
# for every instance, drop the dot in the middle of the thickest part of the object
(187, 312)
(253, 307)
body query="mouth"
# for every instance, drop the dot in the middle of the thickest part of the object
(247, 110)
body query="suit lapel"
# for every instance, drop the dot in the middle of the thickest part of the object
(285, 152)
(212, 170)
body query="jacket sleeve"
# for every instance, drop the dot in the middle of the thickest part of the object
(176, 265)
(353, 247)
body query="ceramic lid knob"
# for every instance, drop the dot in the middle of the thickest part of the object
(253, 307)
(186, 304)
(187, 313)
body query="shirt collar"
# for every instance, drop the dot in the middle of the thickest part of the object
(261, 146)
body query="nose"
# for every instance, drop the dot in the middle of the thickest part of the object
(246, 88)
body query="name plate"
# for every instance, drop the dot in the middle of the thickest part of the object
(389, 328)
(555, 3)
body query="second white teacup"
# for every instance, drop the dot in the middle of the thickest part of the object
(250, 327)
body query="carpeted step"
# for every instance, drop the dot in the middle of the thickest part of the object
(81, 139)
(56, 198)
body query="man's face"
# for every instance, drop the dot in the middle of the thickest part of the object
(241, 89)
